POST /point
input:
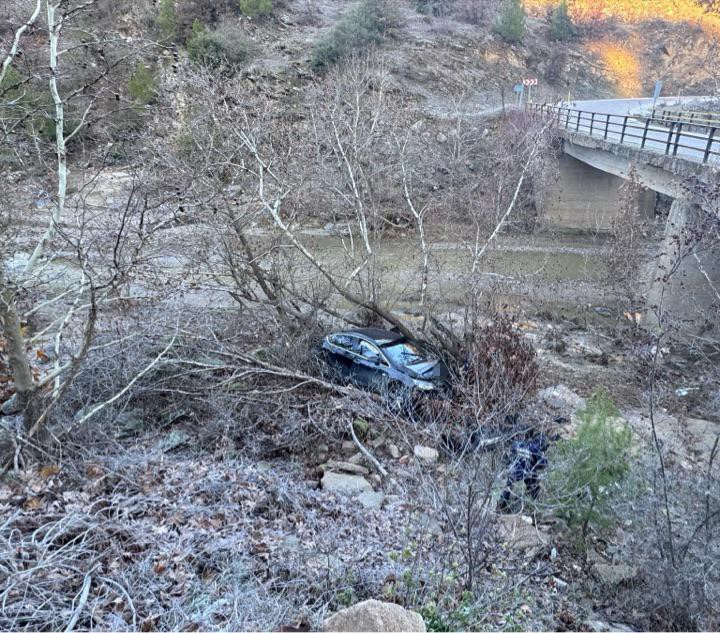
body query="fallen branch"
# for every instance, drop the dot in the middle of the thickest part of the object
(370, 457)
(84, 592)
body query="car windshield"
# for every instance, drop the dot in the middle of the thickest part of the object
(406, 353)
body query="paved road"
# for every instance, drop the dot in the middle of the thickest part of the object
(692, 142)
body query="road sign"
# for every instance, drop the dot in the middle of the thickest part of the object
(532, 81)
(658, 89)
(519, 88)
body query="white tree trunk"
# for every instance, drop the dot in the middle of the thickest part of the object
(16, 40)
(55, 23)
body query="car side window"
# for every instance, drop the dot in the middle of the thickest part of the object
(371, 353)
(348, 343)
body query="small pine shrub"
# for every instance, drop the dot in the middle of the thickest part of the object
(255, 8)
(588, 470)
(360, 28)
(166, 22)
(142, 85)
(510, 24)
(561, 26)
(225, 47)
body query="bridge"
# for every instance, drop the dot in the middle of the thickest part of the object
(668, 151)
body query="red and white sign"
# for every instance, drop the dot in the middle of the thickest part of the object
(530, 82)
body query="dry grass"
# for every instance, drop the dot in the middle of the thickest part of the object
(635, 11)
(622, 65)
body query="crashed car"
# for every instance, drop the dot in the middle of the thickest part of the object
(386, 362)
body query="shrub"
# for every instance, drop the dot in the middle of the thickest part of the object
(361, 27)
(588, 469)
(432, 7)
(510, 24)
(226, 46)
(255, 8)
(557, 61)
(142, 85)
(207, 12)
(166, 22)
(500, 370)
(561, 26)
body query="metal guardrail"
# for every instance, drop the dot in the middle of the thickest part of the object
(667, 115)
(701, 144)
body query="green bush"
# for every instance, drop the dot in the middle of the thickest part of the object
(432, 7)
(166, 22)
(362, 26)
(20, 103)
(227, 46)
(588, 470)
(561, 26)
(255, 8)
(510, 24)
(142, 85)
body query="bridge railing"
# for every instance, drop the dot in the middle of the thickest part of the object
(667, 115)
(696, 142)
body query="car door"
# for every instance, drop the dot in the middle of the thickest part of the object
(342, 353)
(369, 365)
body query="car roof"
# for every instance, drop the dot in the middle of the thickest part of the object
(380, 336)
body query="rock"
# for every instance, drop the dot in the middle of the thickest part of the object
(348, 467)
(373, 615)
(394, 451)
(613, 627)
(370, 499)
(613, 575)
(520, 533)
(378, 442)
(442, 138)
(586, 349)
(561, 398)
(426, 454)
(128, 423)
(348, 446)
(325, 562)
(559, 583)
(357, 458)
(340, 482)
(174, 440)
(10, 406)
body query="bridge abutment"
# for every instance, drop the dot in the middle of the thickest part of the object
(684, 291)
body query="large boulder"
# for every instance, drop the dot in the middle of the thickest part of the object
(561, 398)
(373, 615)
(614, 575)
(343, 483)
(348, 467)
(426, 454)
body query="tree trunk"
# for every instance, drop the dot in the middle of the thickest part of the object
(19, 364)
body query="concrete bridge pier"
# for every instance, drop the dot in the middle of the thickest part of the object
(684, 291)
